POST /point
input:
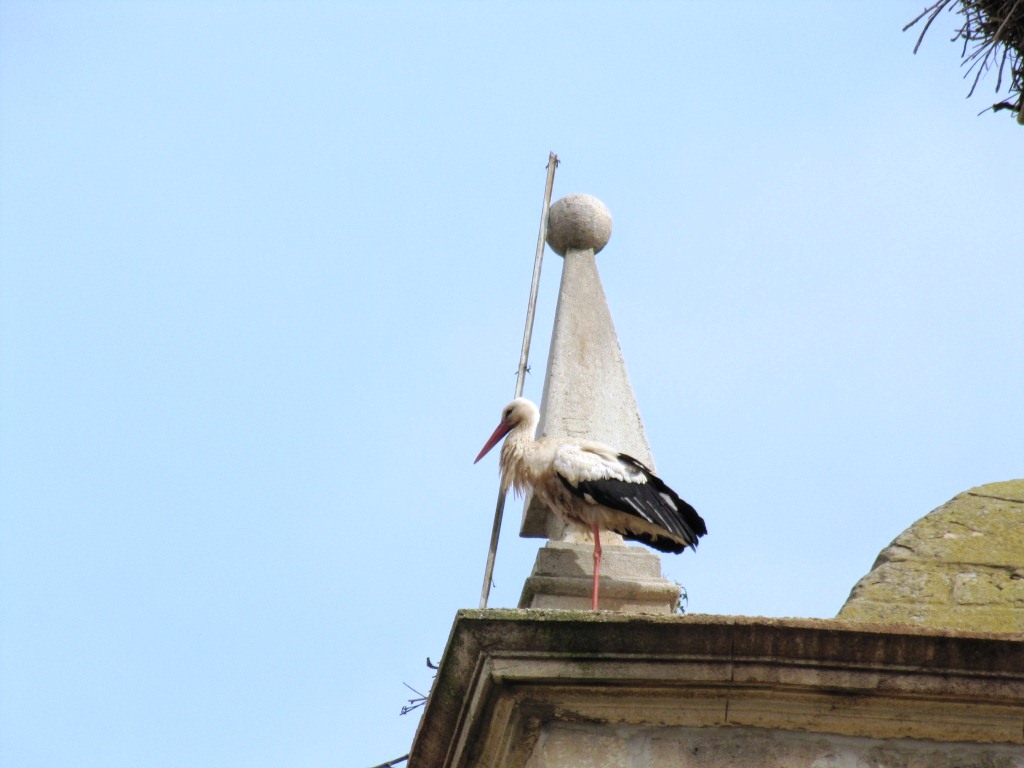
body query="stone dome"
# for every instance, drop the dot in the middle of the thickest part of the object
(960, 567)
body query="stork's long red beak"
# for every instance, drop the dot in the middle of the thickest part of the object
(502, 430)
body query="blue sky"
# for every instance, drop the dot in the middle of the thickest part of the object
(263, 270)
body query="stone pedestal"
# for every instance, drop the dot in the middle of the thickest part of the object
(631, 581)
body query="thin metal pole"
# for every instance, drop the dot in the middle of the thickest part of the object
(524, 357)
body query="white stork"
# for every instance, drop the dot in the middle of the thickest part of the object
(591, 484)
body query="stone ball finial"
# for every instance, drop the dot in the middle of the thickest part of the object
(578, 222)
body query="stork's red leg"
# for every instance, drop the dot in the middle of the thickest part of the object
(597, 563)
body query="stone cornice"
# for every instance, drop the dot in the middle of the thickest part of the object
(508, 673)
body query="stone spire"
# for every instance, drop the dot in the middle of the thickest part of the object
(587, 394)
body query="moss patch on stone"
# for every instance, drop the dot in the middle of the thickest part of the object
(959, 567)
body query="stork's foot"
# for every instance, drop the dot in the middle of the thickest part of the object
(597, 565)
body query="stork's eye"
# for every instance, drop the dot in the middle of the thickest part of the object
(508, 414)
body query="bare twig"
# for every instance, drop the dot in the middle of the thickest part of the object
(993, 38)
(935, 11)
(987, 49)
(394, 762)
(414, 690)
(413, 703)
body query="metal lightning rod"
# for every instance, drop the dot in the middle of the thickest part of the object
(524, 356)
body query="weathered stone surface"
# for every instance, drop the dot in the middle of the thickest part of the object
(578, 222)
(562, 745)
(553, 689)
(587, 393)
(959, 567)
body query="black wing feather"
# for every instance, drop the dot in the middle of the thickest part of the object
(645, 501)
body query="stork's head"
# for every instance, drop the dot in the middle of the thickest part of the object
(519, 412)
